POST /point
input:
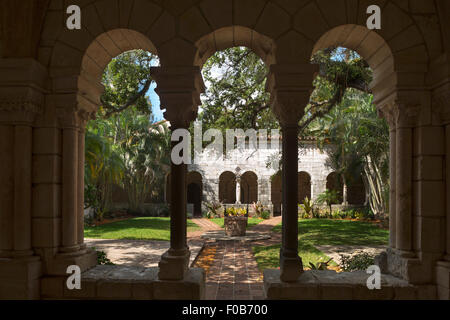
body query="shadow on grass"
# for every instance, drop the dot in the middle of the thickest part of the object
(340, 232)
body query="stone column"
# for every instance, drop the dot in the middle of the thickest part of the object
(238, 189)
(70, 123)
(22, 190)
(387, 112)
(344, 194)
(392, 188)
(290, 87)
(403, 198)
(80, 182)
(179, 90)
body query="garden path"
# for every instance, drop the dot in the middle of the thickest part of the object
(231, 270)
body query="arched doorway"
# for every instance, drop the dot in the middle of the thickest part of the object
(249, 187)
(276, 194)
(334, 184)
(304, 186)
(227, 187)
(195, 191)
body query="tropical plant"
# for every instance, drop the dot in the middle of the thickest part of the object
(235, 212)
(320, 265)
(213, 207)
(307, 206)
(329, 197)
(258, 208)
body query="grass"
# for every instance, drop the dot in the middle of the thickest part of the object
(251, 221)
(323, 232)
(142, 228)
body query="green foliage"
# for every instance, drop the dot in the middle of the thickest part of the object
(102, 259)
(265, 214)
(126, 148)
(235, 94)
(320, 265)
(356, 262)
(213, 208)
(307, 206)
(329, 197)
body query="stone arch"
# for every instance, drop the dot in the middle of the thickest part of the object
(227, 187)
(276, 193)
(234, 36)
(334, 183)
(304, 186)
(249, 187)
(385, 57)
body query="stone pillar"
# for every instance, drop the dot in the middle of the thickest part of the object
(70, 124)
(238, 189)
(392, 193)
(447, 193)
(21, 102)
(179, 90)
(80, 182)
(344, 194)
(403, 188)
(290, 87)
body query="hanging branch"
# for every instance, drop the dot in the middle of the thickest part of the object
(131, 100)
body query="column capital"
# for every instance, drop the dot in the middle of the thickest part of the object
(179, 90)
(22, 90)
(290, 87)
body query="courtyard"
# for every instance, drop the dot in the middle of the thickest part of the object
(234, 269)
(98, 105)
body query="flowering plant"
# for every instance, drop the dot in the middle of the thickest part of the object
(235, 212)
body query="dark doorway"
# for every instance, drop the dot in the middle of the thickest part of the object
(194, 196)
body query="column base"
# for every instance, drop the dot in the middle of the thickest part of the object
(20, 278)
(291, 268)
(174, 265)
(406, 265)
(57, 265)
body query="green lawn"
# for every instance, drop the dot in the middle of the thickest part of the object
(323, 232)
(251, 221)
(142, 228)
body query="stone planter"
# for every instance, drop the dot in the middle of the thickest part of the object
(235, 226)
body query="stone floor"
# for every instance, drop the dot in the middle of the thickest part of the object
(144, 253)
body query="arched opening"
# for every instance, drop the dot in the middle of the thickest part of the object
(194, 192)
(276, 193)
(249, 187)
(334, 183)
(227, 187)
(304, 186)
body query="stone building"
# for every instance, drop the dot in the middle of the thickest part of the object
(251, 174)
(50, 85)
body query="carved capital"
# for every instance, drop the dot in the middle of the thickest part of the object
(179, 90)
(406, 115)
(290, 87)
(387, 112)
(289, 107)
(20, 105)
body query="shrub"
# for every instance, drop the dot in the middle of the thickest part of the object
(213, 208)
(360, 261)
(102, 258)
(265, 214)
(258, 208)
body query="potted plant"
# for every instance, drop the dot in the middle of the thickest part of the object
(235, 222)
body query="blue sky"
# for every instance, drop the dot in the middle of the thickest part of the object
(156, 105)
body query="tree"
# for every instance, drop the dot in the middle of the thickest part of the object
(235, 94)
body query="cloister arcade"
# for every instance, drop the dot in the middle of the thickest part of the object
(50, 86)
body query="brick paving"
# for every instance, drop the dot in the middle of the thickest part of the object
(234, 273)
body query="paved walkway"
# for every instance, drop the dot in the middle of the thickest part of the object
(234, 273)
